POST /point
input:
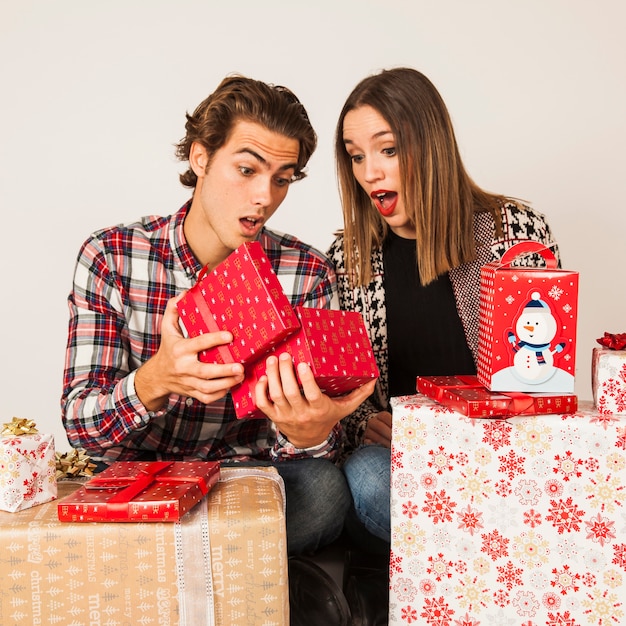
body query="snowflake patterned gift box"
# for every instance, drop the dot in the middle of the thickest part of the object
(527, 323)
(27, 466)
(517, 521)
(336, 346)
(134, 491)
(608, 380)
(243, 296)
(466, 395)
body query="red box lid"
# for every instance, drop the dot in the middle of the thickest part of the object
(243, 296)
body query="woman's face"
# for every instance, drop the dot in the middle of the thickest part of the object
(372, 149)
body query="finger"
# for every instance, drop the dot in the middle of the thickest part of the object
(261, 397)
(310, 388)
(209, 340)
(170, 316)
(220, 371)
(274, 383)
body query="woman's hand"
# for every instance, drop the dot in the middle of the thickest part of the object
(379, 429)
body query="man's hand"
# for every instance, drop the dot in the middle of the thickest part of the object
(305, 417)
(379, 429)
(175, 367)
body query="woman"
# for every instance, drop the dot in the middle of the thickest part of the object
(417, 230)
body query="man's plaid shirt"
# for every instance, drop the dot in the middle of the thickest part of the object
(124, 277)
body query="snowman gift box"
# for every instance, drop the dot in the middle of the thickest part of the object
(527, 323)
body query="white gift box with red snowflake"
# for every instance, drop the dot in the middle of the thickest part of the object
(27, 471)
(608, 380)
(507, 522)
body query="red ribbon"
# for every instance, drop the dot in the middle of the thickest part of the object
(613, 341)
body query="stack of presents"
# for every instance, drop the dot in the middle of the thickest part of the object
(508, 500)
(508, 496)
(178, 543)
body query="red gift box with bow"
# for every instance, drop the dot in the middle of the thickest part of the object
(465, 394)
(134, 491)
(243, 296)
(336, 346)
(527, 323)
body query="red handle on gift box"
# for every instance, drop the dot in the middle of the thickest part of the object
(529, 247)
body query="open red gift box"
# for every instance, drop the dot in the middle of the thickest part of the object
(243, 296)
(133, 491)
(335, 345)
(465, 394)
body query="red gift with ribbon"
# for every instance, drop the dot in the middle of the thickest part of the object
(466, 395)
(136, 491)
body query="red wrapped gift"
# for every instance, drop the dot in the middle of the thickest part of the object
(336, 346)
(133, 491)
(466, 395)
(527, 324)
(243, 296)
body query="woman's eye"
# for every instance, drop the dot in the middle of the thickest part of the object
(357, 158)
(389, 151)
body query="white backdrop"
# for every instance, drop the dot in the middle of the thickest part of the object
(93, 97)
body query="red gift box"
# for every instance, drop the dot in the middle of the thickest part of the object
(466, 395)
(243, 296)
(527, 327)
(133, 491)
(336, 346)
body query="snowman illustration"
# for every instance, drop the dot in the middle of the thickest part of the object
(535, 329)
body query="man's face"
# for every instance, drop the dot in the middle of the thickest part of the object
(246, 180)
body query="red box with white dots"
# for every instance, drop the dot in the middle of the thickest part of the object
(336, 346)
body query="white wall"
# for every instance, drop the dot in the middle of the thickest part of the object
(93, 96)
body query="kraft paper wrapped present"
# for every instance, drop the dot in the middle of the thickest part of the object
(133, 491)
(527, 323)
(608, 374)
(27, 466)
(223, 564)
(336, 346)
(516, 521)
(466, 395)
(243, 296)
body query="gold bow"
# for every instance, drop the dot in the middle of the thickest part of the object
(73, 464)
(20, 426)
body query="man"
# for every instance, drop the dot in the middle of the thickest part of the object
(133, 385)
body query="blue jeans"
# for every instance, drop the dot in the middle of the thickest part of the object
(368, 472)
(318, 500)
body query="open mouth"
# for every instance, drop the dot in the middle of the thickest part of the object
(385, 201)
(250, 225)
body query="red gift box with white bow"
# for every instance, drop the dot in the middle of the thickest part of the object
(336, 346)
(135, 491)
(243, 296)
(527, 323)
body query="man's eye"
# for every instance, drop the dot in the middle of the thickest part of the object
(282, 182)
(246, 171)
